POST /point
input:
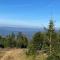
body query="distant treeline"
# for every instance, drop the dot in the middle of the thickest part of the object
(12, 40)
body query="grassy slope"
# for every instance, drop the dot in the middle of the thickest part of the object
(18, 54)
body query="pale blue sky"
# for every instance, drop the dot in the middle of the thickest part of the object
(29, 13)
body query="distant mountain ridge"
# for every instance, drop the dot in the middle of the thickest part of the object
(28, 31)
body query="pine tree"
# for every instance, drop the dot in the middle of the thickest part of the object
(22, 40)
(51, 32)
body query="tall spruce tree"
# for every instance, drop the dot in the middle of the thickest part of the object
(51, 31)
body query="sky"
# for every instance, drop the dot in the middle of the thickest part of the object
(29, 13)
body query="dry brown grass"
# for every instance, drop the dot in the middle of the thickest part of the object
(18, 54)
(14, 54)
